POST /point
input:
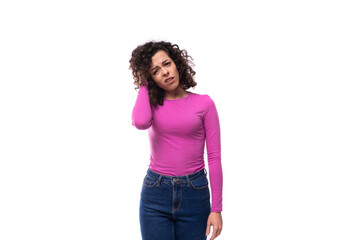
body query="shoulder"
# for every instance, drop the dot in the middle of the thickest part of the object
(205, 98)
(205, 101)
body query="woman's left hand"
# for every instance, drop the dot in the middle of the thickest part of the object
(214, 220)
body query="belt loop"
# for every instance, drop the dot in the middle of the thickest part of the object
(188, 180)
(159, 180)
(205, 171)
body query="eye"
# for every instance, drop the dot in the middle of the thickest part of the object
(168, 63)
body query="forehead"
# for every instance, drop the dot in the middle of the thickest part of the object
(159, 57)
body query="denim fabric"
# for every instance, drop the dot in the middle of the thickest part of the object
(174, 207)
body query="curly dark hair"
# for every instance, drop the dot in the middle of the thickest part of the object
(141, 59)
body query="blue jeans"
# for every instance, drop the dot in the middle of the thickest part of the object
(174, 207)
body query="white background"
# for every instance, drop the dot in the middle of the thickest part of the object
(285, 79)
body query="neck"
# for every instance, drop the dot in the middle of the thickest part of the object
(176, 94)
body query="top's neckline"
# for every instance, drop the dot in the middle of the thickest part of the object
(178, 98)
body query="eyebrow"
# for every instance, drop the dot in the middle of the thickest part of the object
(157, 66)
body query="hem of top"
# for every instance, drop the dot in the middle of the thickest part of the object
(165, 175)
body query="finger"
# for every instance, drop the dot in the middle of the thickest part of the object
(213, 236)
(219, 229)
(207, 229)
(213, 233)
(216, 232)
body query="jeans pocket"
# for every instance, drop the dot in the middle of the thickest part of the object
(149, 182)
(200, 183)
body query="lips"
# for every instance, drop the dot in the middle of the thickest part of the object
(168, 79)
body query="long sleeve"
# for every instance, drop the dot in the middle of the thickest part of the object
(141, 113)
(213, 147)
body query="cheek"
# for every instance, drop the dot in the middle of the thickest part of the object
(157, 80)
(176, 70)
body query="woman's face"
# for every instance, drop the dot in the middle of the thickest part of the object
(162, 68)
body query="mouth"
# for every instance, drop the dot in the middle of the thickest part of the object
(169, 80)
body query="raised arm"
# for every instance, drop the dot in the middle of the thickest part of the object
(213, 147)
(141, 113)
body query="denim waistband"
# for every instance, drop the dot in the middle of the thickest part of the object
(184, 178)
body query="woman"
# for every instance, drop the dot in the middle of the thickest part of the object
(175, 197)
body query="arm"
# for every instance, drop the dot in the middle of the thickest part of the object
(141, 113)
(213, 146)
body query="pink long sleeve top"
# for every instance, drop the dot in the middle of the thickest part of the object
(177, 132)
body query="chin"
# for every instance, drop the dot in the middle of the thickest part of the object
(172, 87)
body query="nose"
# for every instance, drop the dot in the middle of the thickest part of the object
(165, 72)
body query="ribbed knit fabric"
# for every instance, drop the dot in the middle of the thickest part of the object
(177, 132)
